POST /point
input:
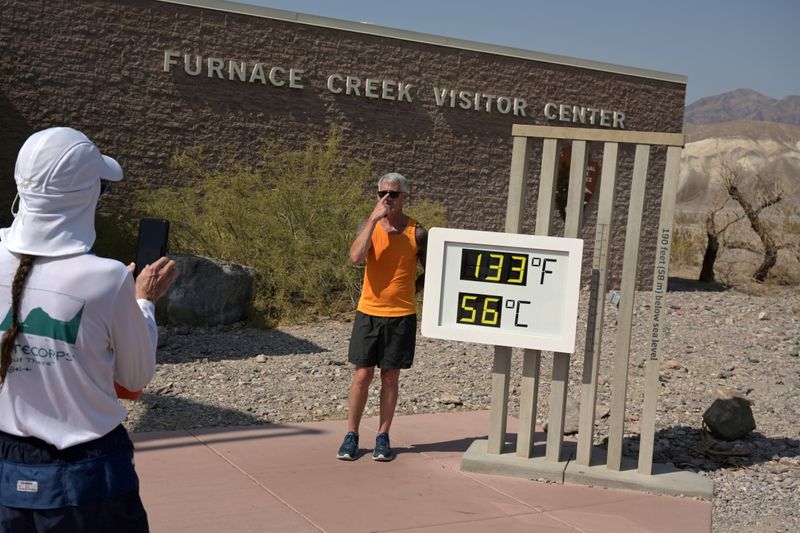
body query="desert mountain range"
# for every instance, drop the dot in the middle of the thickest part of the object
(758, 133)
(743, 104)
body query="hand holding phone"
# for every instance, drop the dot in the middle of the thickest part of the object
(151, 251)
(159, 271)
(152, 242)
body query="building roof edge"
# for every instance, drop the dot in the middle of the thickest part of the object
(425, 38)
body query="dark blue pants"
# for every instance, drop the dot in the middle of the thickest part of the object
(91, 487)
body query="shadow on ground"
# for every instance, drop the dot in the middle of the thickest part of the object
(152, 441)
(676, 284)
(162, 412)
(457, 446)
(688, 448)
(183, 344)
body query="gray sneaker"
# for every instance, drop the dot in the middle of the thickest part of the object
(382, 451)
(348, 451)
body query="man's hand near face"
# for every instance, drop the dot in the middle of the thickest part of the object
(381, 209)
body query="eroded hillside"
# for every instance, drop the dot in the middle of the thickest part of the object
(766, 149)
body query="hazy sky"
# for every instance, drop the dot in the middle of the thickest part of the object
(721, 45)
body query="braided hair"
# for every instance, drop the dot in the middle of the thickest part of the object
(10, 335)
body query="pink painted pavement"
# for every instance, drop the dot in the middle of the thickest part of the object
(285, 478)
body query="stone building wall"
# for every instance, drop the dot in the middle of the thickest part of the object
(98, 65)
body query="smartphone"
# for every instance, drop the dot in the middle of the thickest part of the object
(152, 244)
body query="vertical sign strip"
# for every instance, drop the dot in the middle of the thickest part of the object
(531, 359)
(660, 277)
(619, 388)
(572, 228)
(594, 327)
(501, 368)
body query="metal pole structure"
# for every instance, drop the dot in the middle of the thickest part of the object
(493, 459)
(660, 277)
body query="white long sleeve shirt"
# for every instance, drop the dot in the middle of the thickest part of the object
(83, 329)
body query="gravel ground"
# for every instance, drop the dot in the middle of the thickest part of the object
(744, 340)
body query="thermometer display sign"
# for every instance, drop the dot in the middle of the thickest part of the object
(502, 288)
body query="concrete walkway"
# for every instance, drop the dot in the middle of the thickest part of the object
(285, 478)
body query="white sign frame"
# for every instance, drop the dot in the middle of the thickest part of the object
(560, 336)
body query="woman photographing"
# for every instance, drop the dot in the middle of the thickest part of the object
(73, 324)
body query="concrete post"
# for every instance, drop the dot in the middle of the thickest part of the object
(594, 327)
(619, 387)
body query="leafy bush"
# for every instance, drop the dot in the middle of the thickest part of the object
(429, 214)
(291, 217)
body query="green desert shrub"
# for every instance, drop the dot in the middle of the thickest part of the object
(291, 216)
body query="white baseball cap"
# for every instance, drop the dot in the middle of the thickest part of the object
(58, 175)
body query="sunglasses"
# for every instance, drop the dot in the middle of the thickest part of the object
(392, 194)
(104, 186)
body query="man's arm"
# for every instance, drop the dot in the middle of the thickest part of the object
(421, 235)
(363, 241)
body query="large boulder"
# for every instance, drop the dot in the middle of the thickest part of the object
(729, 417)
(207, 292)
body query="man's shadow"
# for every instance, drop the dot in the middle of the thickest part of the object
(448, 446)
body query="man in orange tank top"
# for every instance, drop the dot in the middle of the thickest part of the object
(385, 326)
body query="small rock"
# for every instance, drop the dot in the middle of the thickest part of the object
(261, 358)
(777, 469)
(164, 388)
(450, 399)
(763, 315)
